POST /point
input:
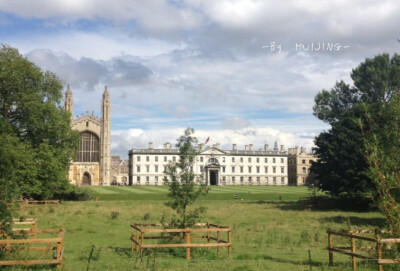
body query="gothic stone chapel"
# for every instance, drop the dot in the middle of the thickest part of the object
(92, 165)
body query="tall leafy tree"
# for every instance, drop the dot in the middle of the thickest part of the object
(36, 132)
(182, 181)
(343, 168)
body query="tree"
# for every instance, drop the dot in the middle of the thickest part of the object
(382, 140)
(182, 181)
(37, 141)
(342, 168)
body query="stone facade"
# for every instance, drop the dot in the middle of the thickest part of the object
(119, 171)
(219, 167)
(92, 166)
(299, 163)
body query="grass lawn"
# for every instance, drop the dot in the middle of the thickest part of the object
(271, 231)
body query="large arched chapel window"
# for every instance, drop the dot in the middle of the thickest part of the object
(88, 148)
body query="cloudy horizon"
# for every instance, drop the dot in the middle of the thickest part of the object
(240, 72)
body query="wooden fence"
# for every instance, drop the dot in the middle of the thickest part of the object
(211, 232)
(373, 252)
(46, 244)
(25, 203)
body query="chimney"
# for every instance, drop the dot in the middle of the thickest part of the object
(282, 148)
(167, 146)
(246, 147)
(234, 147)
(266, 147)
(217, 146)
(250, 147)
(303, 150)
(150, 145)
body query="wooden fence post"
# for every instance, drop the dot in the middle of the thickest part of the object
(330, 245)
(132, 237)
(188, 243)
(141, 244)
(218, 238)
(230, 242)
(378, 249)
(353, 249)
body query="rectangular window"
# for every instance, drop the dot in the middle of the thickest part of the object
(147, 180)
(201, 159)
(138, 179)
(282, 160)
(258, 179)
(249, 169)
(233, 159)
(155, 168)
(241, 179)
(273, 169)
(147, 158)
(266, 169)
(223, 169)
(241, 169)
(283, 180)
(233, 180)
(258, 160)
(249, 159)
(138, 158)
(223, 159)
(233, 169)
(147, 168)
(266, 180)
(258, 169)
(282, 169)
(138, 169)
(265, 160)
(273, 160)
(274, 180)
(165, 158)
(250, 179)
(156, 158)
(241, 159)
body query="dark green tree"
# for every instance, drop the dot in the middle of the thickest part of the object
(36, 132)
(342, 168)
(184, 184)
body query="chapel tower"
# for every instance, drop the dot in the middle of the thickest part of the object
(105, 139)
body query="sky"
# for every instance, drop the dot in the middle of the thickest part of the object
(239, 72)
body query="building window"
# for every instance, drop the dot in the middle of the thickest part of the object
(233, 180)
(137, 168)
(258, 160)
(147, 180)
(138, 158)
(138, 179)
(147, 168)
(233, 159)
(249, 169)
(266, 169)
(282, 161)
(156, 159)
(147, 159)
(273, 169)
(250, 180)
(273, 160)
(165, 158)
(223, 169)
(241, 159)
(241, 169)
(258, 169)
(265, 160)
(174, 158)
(233, 169)
(274, 180)
(88, 148)
(249, 159)
(155, 168)
(304, 170)
(266, 180)
(283, 180)
(201, 159)
(258, 179)
(241, 180)
(223, 159)
(156, 180)
(282, 169)
(303, 161)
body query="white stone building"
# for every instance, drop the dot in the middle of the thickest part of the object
(220, 167)
(299, 164)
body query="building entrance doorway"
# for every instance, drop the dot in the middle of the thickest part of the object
(213, 177)
(86, 179)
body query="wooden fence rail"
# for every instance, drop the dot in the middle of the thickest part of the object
(376, 248)
(142, 232)
(48, 246)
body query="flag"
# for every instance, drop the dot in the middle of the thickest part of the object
(208, 139)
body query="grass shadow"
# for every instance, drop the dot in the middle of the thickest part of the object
(374, 222)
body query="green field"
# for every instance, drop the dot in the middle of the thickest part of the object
(271, 230)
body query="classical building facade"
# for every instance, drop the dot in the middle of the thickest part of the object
(119, 171)
(299, 163)
(219, 167)
(92, 166)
